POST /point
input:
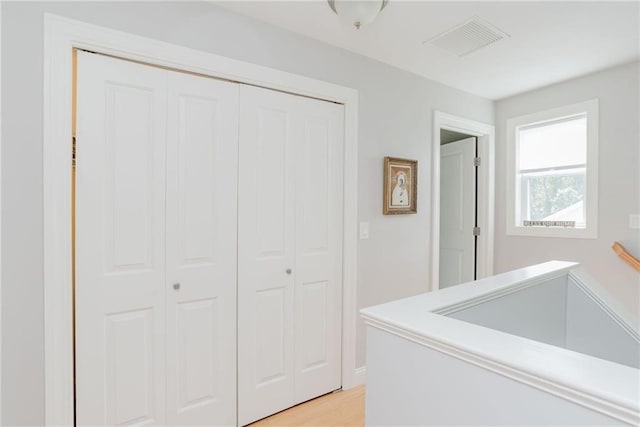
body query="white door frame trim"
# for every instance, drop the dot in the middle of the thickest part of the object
(486, 186)
(61, 35)
(0, 220)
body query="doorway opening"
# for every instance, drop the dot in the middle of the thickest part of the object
(462, 200)
(158, 297)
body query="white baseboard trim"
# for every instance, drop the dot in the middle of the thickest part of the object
(359, 377)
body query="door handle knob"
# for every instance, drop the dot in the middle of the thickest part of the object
(288, 271)
(176, 286)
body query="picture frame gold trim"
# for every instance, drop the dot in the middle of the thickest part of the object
(395, 169)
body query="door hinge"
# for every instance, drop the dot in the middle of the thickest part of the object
(476, 231)
(73, 152)
(476, 161)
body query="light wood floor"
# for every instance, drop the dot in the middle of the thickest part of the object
(341, 408)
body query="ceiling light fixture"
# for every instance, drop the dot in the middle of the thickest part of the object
(357, 12)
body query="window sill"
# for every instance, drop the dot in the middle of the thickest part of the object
(548, 232)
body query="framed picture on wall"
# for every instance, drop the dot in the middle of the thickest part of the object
(400, 186)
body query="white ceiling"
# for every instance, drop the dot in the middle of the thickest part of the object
(549, 41)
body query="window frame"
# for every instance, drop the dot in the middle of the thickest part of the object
(588, 108)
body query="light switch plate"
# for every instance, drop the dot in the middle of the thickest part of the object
(364, 230)
(634, 221)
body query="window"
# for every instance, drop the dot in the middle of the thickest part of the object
(552, 166)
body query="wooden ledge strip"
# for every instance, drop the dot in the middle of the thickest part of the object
(625, 255)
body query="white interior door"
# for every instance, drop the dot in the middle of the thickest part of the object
(290, 238)
(318, 261)
(156, 208)
(202, 166)
(457, 212)
(120, 245)
(265, 254)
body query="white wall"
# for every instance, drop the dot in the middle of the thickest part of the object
(538, 312)
(396, 110)
(590, 330)
(560, 313)
(418, 386)
(619, 178)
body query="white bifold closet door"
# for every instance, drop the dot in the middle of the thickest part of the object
(155, 246)
(201, 256)
(289, 250)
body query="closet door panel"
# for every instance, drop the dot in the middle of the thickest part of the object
(266, 253)
(290, 250)
(120, 222)
(318, 278)
(202, 146)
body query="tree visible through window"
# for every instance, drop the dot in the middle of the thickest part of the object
(560, 197)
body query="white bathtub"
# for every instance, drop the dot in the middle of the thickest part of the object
(543, 345)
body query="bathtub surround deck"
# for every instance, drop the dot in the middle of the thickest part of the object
(506, 352)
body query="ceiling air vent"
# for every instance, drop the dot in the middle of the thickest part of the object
(468, 37)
